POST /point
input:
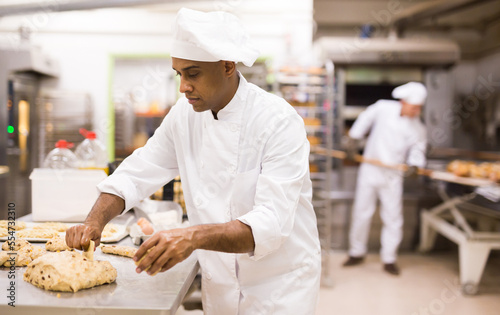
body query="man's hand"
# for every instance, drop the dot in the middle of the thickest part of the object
(411, 171)
(106, 207)
(350, 145)
(79, 236)
(164, 250)
(167, 248)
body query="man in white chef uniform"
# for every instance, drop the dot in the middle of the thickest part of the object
(242, 155)
(396, 135)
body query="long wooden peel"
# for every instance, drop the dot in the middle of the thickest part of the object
(439, 175)
(360, 159)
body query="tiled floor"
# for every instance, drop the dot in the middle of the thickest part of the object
(428, 285)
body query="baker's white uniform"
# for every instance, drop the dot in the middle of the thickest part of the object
(393, 139)
(252, 165)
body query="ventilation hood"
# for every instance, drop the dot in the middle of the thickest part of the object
(27, 58)
(390, 51)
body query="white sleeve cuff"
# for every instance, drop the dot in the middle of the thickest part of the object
(122, 187)
(265, 230)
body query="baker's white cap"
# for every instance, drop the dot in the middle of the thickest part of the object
(413, 93)
(211, 36)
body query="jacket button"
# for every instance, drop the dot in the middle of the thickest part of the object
(208, 275)
(233, 127)
(197, 202)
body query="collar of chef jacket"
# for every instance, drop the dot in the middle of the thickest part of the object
(233, 110)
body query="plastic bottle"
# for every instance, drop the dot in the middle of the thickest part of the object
(61, 157)
(91, 153)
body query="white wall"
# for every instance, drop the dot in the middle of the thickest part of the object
(83, 41)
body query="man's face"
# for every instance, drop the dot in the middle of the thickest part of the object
(410, 110)
(205, 84)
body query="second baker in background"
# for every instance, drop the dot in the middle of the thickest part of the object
(396, 136)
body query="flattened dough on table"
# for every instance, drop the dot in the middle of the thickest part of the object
(127, 251)
(58, 226)
(24, 253)
(56, 244)
(21, 260)
(17, 244)
(34, 251)
(109, 230)
(3, 232)
(39, 233)
(18, 225)
(68, 271)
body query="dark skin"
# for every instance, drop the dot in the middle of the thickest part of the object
(207, 86)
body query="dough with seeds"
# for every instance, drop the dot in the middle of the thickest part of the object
(109, 230)
(38, 233)
(17, 225)
(19, 258)
(58, 226)
(15, 244)
(68, 271)
(126, 251)
(56, 244)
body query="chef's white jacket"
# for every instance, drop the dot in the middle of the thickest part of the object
(393, 139)
(251, 164)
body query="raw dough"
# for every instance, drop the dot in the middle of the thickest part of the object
(24, 251)
(19, 225)
(56, 244)
(39, 233)
(34, 252)
(22, 258)
(58, 226)
(109, 230)
(68, 271)
(126, 251)
(17, 244)
(3, 232)
(89, 253)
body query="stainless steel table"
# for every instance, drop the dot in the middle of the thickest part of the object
(131, 293)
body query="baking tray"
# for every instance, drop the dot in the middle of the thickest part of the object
(116, 237)
(131, 293)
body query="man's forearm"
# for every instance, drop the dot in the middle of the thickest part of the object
(106, 207)
(230, 237)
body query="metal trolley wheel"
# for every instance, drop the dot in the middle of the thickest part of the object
(470, 288)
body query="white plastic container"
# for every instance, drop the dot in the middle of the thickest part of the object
(65, 195)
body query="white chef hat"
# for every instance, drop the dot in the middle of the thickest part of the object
(211, 36)
(413, 93)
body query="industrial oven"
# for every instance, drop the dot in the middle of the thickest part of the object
(22, 67)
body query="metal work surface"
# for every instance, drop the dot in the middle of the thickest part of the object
(131, 293)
